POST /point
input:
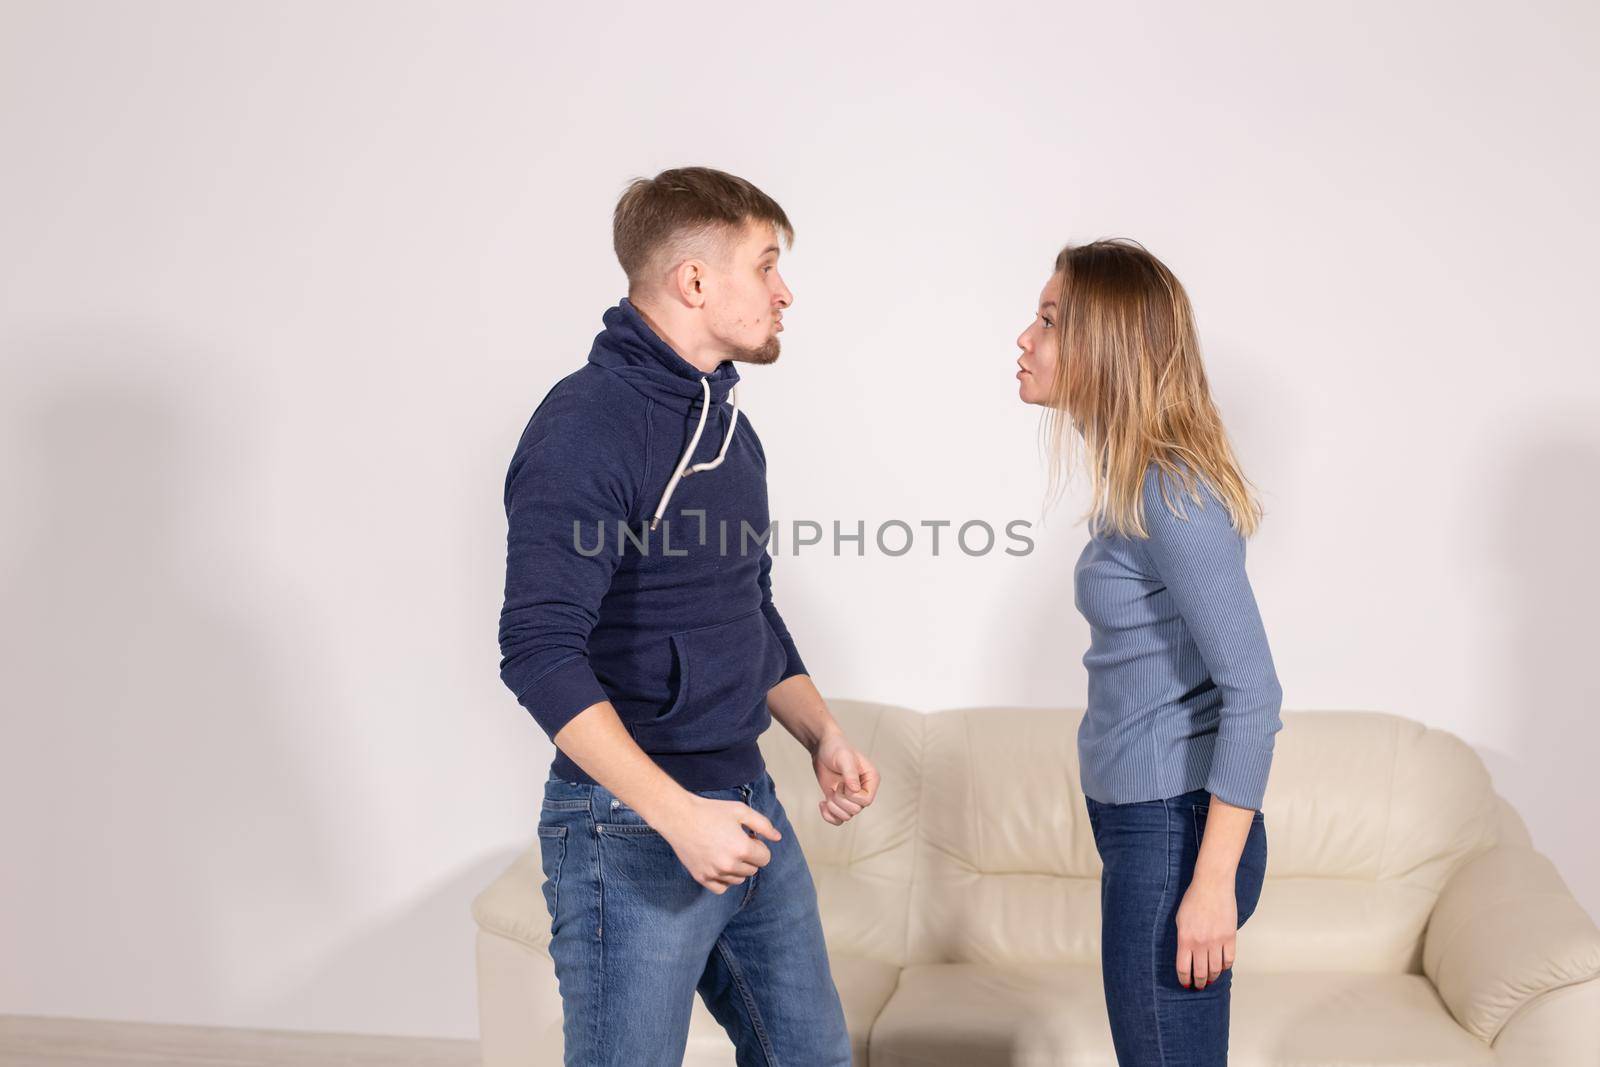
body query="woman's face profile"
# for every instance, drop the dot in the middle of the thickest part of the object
(1040, 343)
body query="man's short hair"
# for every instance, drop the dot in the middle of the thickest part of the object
(682, 212)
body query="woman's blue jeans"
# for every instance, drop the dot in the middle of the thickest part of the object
(634, 937)
(1148, 852)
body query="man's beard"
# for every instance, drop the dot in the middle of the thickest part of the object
(767, 353)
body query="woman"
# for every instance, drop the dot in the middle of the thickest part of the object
(1176, 744)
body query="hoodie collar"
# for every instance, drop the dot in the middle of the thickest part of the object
(634, 352)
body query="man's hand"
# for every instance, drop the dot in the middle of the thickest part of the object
(711, 841)
(848, 779)
(708, 835)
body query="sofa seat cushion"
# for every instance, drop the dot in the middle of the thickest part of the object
(975, 1015)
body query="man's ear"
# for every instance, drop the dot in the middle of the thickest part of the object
(688, 280)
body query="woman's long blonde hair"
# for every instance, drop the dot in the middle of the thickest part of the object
(1129, 378)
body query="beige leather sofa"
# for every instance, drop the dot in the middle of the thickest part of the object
(1406, 918)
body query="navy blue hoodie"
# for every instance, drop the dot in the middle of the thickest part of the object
(681, 634)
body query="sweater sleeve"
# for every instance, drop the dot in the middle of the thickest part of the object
(1201, 560)
(795, 665)
(566, 492)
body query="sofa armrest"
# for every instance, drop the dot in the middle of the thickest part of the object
(513, 905)
(1504, 930)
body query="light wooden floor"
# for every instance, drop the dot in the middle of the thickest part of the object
(26, 1040)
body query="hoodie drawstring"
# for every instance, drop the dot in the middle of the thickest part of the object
(681, 471)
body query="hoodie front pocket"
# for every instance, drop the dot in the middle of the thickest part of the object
(724, 672)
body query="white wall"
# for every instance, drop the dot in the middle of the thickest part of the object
(282, 283)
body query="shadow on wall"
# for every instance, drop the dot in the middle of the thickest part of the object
(157, 814)
(1543, 513)
(419, 964)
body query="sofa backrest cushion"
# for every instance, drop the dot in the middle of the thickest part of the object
(862, 869)
(1367, 814)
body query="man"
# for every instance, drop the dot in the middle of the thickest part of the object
(639, 630)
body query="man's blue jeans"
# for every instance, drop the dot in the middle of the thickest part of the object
(1148, 852)
(634, 937)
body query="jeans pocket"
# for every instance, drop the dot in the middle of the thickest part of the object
(619, 818)
(552, 850)
(1203, 809)
(1253, 868)
(1250, 877)
(561, 795)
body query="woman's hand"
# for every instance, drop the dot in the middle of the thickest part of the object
(1208, 926)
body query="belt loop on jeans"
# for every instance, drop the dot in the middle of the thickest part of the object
(745, 791)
